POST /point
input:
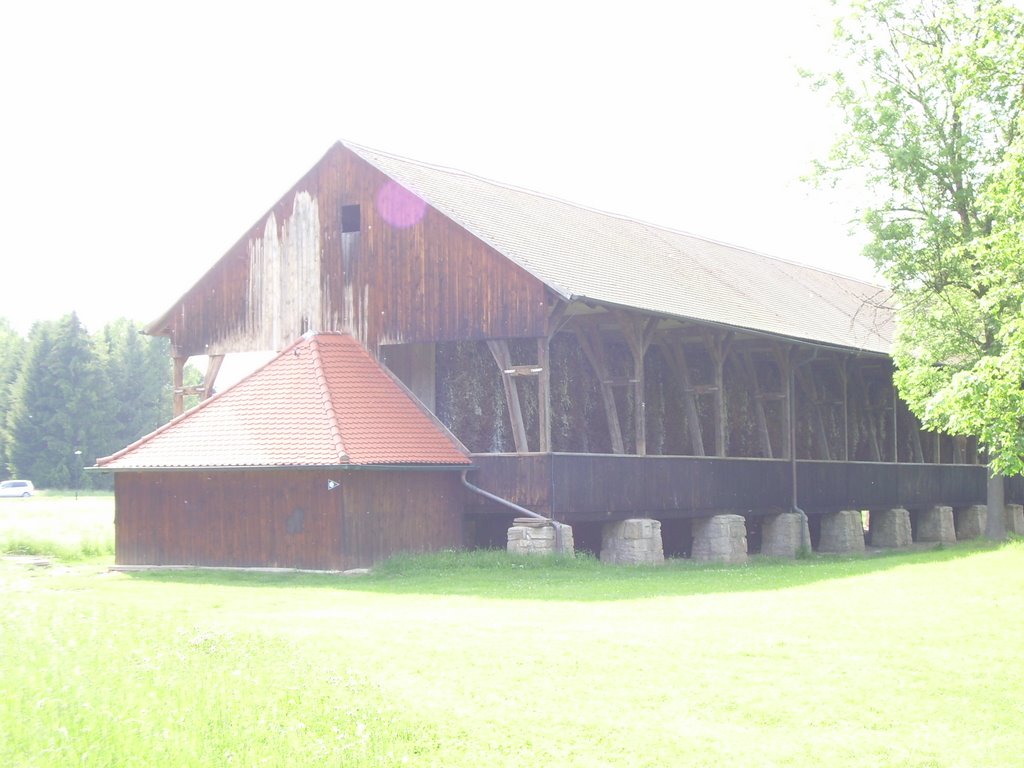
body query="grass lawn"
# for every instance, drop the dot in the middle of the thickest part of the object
(483, 660)
(60, 524)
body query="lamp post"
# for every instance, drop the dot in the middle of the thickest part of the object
(78, 471)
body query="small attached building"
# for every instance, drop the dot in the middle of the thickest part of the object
(318, 460)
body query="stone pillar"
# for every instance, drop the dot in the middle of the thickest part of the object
(970, 521)
(531, 536)
(782, 535)
(890, 528)
(936, 524)
(1015, 519)
(842, 532)
(720, 539)
(632, 542)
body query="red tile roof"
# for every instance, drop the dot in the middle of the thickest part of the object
(324, 401)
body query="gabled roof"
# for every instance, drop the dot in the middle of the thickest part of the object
(324, 401)
(586, 254)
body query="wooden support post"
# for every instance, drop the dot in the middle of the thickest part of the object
(844, 384)
(593, 348)
(718, 345)
(178, 385)
(556, 311)
(785, 376)
(676, 356)
(213, 364)
(874, 448)
(544, 394)
(638, 332)
(502, 356)
(914, 429)
(762, 423)
(959, 449)
(895, 425)
(915, 441)
(806, 379)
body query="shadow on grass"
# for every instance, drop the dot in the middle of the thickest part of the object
(497, 575)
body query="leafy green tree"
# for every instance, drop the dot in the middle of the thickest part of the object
(57, 407)
(932, 96)
(12, 348)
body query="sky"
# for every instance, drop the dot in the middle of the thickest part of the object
(139, 141)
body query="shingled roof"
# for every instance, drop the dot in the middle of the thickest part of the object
(324, 401)
(585, 254)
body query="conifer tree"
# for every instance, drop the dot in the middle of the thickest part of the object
(57, 406)
(12, 349)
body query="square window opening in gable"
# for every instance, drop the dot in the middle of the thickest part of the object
(349, 218)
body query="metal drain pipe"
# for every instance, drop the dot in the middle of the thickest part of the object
(523, 511)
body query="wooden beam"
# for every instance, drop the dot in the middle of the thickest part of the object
(638, 332)
(502, 356)
(593, 348)
(675, 354)
(556, 312)
(718, 345)
(844, 385)
(213, 364)
(916, 449)
(959, 449)
(895, 423)
(544, 394)
(762, 423)
(178, 385)
(874, 449)
(805, 375)
(785, 377)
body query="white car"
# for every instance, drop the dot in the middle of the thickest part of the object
(16, 488)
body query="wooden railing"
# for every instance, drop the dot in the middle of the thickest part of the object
(602, 486)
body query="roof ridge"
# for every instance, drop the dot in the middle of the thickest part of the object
(602, 212)
(325, 395)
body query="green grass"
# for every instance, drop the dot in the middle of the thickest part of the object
(479, 659)
(57, 524)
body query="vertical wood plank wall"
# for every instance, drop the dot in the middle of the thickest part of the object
(284, 518)
(387, 283)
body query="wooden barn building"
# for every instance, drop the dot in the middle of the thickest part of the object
(594, 367)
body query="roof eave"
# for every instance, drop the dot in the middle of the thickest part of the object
(381, 467)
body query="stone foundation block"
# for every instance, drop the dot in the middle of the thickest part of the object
(890, 528)
(636, 541)
(783, 534)
(1015, 519)
(720, 539)
(970, 522)
(936, 524)
(842, 532)
(529, 536)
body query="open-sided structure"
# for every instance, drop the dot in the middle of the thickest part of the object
(597, 368)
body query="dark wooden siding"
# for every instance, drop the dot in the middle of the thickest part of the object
(872, 485)
(594, 487)
(283, 518)
(430, 281)
(1015, 490)
(400, 511)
